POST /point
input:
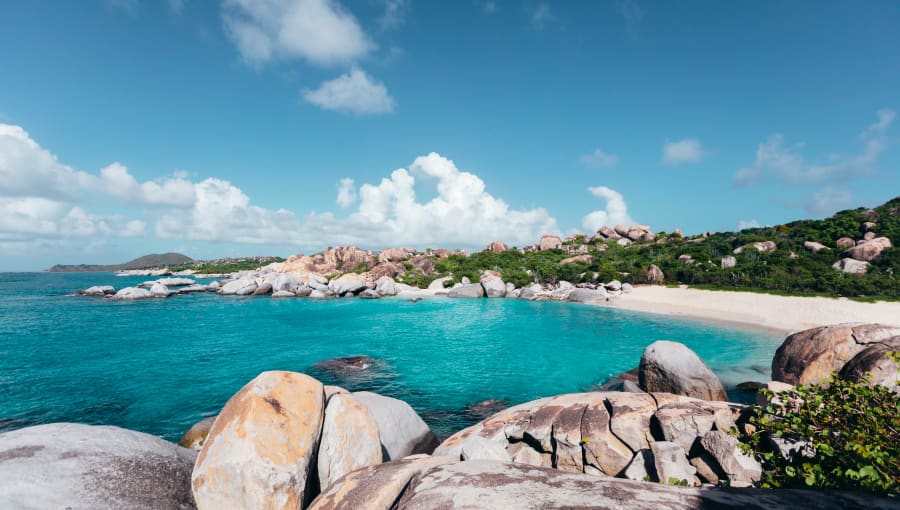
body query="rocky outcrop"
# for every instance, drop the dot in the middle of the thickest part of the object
(655, 274)
(386, 286)
(261, 449)
(671, 367)
(98, 290)
(285, 282)
(812, 355)
(132, 293)
(176, 282)
(852, 266)
(494, 286)
(870, 249)
(430, 483)
(395, 254)
(471, 290)
(601, 433)
(350, 282)
(549, 242)
(348, 258)
(240, 287)
(814, 247)
(350, 439)
(761, 246)
(401, 429)
(578, 258)
(194, 438)
(874, 364)
(598, 295)
(728, 261)
(497, 247)
(845, 242)
(68, 465)
(438, 284)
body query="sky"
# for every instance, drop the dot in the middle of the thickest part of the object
(275, 127)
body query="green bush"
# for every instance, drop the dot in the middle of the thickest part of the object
(852, 429)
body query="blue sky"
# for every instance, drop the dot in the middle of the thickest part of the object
(284, 126)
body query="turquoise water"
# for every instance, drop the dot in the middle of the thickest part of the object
(159, 366)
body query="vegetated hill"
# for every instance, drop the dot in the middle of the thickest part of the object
(146, 262)
(709, 260)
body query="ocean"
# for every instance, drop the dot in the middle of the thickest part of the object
(159, 366)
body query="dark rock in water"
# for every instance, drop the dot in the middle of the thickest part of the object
(354, 373)
(626, 381)
(485, 408)
(68, 465)
(346, 364)
(414, 300)
(750, 385)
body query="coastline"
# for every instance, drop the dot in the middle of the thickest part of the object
(770, 312)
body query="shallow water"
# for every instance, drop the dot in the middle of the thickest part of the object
(159, 366)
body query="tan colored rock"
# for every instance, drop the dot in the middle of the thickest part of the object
(869, 250)
(655, 274)
(630, 418)
(350, 439)
(814, 246)
(395, 255)
(845, 242)
(348, 258)
(375, 487)
(608, 233)
(497, 247)
(422, 264)
(195, 436)
(812, 355)
(260, 451)
(578, 258)
(549, 242)
(762, 247)
(602, 449)
(852, 266)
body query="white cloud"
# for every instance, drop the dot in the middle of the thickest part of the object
(745, 224)
(787, 164)
(346, 192)
(540, 16)
(827, 201)
(394, 13)
(26, 169)
(599, 159)
(616, 210)
(354, 92)
(320, 31)
(682, 151)
(115, 181)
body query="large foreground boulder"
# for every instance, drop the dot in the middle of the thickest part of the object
(874, 364)
(812, 355)
(670, 367)
(494, 485)
(401, 429)
(598, 295)
(68, 465)
(261, 449)
(493, 284)
(350, 439)
(601, 433)
(350, 282)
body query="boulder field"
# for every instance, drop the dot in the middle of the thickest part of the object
(286, 441)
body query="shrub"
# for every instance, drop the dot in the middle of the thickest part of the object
(851, 430)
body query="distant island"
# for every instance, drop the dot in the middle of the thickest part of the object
(154, 260)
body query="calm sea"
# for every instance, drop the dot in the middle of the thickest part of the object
(159, 366)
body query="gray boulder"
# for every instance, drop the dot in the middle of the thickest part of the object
(852, 266)
(627, 288)
(159, 290)
(402, 430)
(494, 287)
(671, 367)
(671, 463)
(369, 294)
(283, 294)
(240, 287)
(98, 290)
(132, 293)
(728, 261)
(284, 282)
(873, 362)
(350, 282)
(176, 282)
(386, 286)
(438, 284)
(814, 246)
(471, 290)
(68, 465)
(587, 295)
(614, 285)
(736, 466)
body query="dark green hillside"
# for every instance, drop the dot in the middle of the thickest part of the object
(791, 268)
(153, 260)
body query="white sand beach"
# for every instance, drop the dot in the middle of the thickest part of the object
(785, 313)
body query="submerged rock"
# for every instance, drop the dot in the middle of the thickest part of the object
(69, 465)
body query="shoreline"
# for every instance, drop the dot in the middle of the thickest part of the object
(768, 312)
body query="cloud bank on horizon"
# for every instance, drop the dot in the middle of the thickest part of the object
(44, 202)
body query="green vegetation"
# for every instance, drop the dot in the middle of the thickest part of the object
(153, 260)
(231, 265)
(790, 269)
(852, 430)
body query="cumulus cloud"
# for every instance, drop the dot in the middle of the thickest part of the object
(319, 31)
(745, 224)
(599, 159)
(346, 192)
(616, 210)
(394, 13)
(353, 92)
(116, 181)
(787, 164)
(540, 16)
(682, 151)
